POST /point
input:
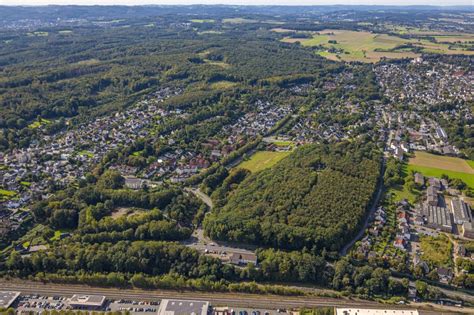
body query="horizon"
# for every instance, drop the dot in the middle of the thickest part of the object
(130, 3)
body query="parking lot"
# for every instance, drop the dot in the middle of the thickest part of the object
(38, 303)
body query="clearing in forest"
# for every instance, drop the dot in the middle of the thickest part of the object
(262, 160)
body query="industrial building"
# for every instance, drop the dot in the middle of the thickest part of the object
(461, 211)
(438, 218)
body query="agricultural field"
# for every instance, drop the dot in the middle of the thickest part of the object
(463, 38)
(238, 21)
(437, 251)
(368, 47)
(262, 160)
(436, 165)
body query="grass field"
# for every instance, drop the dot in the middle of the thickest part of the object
(222, 85)
(262, 160)
(238, 21)
(86, 153)
(37, 124)
(368, 47)
(436, 251)
(6, 194)
(436, 165)
(443, 162)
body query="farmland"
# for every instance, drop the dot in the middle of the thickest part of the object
(368, 47)
(436, 166)
(262, 160)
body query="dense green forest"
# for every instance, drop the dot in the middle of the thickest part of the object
(296, 203)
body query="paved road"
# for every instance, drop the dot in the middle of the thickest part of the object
(372, 209)
(216, 299)
(198, 193)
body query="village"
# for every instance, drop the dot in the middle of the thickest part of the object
(33, 173)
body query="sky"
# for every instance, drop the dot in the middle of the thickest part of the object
(241, 2)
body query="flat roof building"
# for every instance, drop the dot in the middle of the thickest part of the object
(368, 311)
(180, 307)
(438, 218)
(87, 301)
(7, 298)
(461, 211)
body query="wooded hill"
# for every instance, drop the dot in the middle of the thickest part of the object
(315, 198)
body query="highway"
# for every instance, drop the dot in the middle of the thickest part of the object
(216, 299)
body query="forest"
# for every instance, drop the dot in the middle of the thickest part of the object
(296, 205)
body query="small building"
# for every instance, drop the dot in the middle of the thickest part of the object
(181, 307)
(243, 258)
(445, 275)
(133, 183)
(87, 302)
(7, 298)
(419, 179)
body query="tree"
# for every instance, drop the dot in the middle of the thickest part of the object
(111, 179)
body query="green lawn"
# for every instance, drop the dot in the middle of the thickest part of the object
(402, 192)
(436, 172)
(37, 124)
(7, 193)
(262, 160)
(86, 153)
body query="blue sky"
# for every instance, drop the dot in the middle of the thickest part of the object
(242, 2)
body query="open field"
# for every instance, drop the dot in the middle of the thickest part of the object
(238, 21)
(222, 85)
(221, 64)
(443, 162)
(436, 172)
(37, 124)
(435, 166)
(368, 47)
(262, 160)
(437, 251)
(454, 38)
(7, 193)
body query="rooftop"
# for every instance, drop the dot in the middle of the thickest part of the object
(87, 300)
(7, 298)
(180, 307)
